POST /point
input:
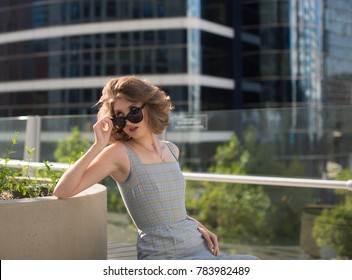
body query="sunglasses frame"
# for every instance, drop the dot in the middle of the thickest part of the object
(114, 118)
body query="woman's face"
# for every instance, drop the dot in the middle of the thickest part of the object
(134, 111)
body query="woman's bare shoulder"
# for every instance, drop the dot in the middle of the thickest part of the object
(116, 149)
(116, 154)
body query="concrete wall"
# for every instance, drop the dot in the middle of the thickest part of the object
(50, 228)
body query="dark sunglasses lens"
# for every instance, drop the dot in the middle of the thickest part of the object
(119, 122)
(135, 115)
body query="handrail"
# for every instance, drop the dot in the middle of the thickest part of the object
(222, 178)
(55, 166)
(270, 181)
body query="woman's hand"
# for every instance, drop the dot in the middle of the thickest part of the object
(102, 130)
(211, 239)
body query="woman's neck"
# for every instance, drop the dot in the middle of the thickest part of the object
(150, 144)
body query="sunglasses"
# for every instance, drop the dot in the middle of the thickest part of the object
(135, 115)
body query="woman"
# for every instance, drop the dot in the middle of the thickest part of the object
(132, 113)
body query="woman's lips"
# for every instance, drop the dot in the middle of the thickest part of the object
(133, 128)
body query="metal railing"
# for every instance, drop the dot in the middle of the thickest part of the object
(222, 178)
(13, 163)
(305, 247)
(270, 181)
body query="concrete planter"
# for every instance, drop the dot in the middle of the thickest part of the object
(50, 228)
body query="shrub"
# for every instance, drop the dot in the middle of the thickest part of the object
(238, 213)
(334, 226)
(72, 148)
(25, 181)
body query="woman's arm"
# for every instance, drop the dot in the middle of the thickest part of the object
(93, 166)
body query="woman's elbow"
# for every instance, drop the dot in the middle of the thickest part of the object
(59, 193)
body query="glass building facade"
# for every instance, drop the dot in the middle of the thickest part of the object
(337, 70)
(296, 53)
(282, 43)
(56, 56)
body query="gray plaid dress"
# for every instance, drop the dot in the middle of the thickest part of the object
(154, 195)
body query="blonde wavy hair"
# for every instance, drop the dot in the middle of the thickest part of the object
(134, 89)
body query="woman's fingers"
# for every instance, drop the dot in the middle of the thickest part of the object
(211, 239)
(102, 130)
(105, 127)
(213, 243)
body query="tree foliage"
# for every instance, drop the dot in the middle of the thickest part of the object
(72, 148)
(248, 213)
(333, 227)
(238, 213)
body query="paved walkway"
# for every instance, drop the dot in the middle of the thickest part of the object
(124, 251)
(121, 251)
(122, 237)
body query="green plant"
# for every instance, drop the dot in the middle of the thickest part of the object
(334, 226)
(250, 213)
(26, 181)
(72, 148)
(238, 213)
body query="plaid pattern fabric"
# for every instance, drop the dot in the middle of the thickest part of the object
(154, 195)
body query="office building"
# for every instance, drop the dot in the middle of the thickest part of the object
(55, 56)
(296, 53)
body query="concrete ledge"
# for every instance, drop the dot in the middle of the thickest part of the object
(50, 228)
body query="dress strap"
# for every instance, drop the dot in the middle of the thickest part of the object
(172, 149)
(131, 155)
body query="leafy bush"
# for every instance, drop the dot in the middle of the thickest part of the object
(26, 181)
(245, 212)
(72, 148)
(238, 213)
(334, 227)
